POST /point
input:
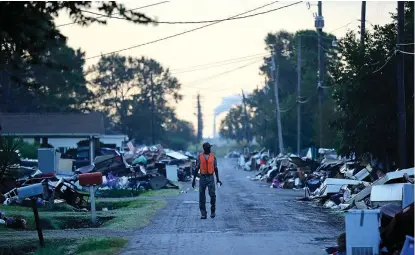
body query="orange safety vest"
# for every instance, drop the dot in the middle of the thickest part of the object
(207, 166)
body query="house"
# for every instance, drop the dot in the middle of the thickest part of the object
(59, 128)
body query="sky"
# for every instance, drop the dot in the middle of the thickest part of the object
(241, 39)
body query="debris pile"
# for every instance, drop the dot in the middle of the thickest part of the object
(378, 206)
(141, 168)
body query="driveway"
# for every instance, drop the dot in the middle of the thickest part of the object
(251, 219)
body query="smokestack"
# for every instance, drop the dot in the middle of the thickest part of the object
(214, 126)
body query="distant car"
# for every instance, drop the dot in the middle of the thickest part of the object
(233, 155)
(82, 156)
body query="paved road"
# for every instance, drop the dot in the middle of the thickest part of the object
(251, 219)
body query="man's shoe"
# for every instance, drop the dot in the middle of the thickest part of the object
(203, 217)
(212, 215)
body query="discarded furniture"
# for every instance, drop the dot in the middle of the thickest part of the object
(333, 185)
(398, 193)
(391, 176)
(362, 232)
(68, 192)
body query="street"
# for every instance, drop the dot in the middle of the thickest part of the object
(251, 219)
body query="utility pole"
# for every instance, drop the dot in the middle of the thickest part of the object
(363, 26)
(245, 119)
(319, 23)
(401, 87)
(299, 96)
(199, 120)
(275, 72)
(152, 109)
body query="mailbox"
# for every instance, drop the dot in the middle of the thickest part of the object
(31, 191)
(90, 179)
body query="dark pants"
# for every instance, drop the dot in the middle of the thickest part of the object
(207, 181)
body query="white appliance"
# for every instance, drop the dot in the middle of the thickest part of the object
(171, 172)
(362, 232)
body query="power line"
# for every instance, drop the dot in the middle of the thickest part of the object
(213, 66)
(387, 61)
(197, 22)
(142, 7)
(185, 32)
(404, 44)
(287, 109)
(306, 101)
(217, 75)
(342, 26)
(405, 52)
(218, 63)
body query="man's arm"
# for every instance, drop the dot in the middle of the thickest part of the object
(216, 170)
(196, 170)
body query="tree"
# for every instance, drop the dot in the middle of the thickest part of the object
(55, 83)
(28, 36)
(365, 93)
(232, 127)
(27, 27)
(261, 102)
(150, 110)
(114, 78)
(135, 94)
(181, 134)
(9, 156)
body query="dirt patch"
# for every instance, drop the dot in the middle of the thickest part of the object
(81, 222)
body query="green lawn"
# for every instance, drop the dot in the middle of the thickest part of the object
(81, 246)
(120, 215)
(92, 246)
(124, 214)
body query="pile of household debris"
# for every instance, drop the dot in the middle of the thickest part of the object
(252, 161)
(379, 207)
(285, 171)
(147, 167)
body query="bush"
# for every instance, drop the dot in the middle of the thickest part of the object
(29, 150)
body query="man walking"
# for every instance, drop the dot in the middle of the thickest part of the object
(206, 163)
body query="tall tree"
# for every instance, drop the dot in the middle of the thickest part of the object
(365, 92)
(28, 34)
(261, 102)
(232, 127)
(156, 88)
(181, 134)
(114, 78)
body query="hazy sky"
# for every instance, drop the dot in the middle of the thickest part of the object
(223, 41)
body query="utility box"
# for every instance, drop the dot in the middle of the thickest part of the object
(48, 160)
(362, 232)
(319, 22)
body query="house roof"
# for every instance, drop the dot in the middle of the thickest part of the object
(52, 124)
